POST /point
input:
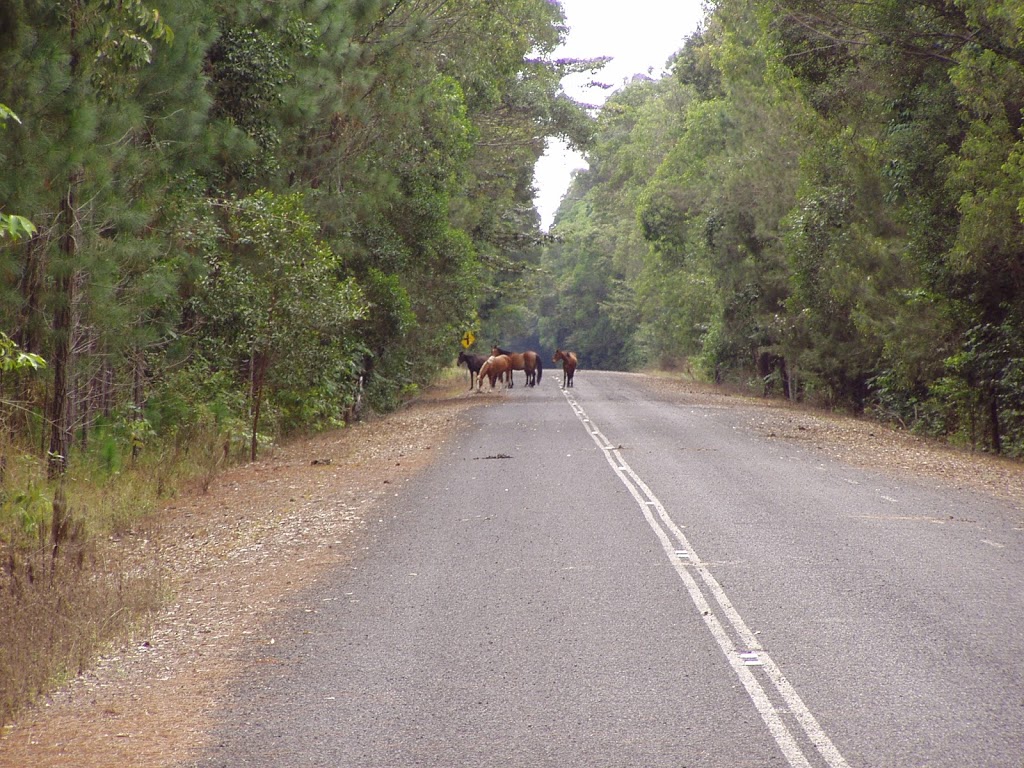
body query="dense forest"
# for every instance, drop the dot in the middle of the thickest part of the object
(224, 223)
(822, 199)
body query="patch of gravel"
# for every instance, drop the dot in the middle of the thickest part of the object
(232, 557)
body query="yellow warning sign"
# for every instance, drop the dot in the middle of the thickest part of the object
(468, 339)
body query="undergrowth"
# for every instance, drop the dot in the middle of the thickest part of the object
(69, 586)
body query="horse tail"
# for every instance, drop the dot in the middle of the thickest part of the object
(540, 368)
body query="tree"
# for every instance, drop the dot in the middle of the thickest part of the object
(840, 207)
(274, 303)
(97, 49)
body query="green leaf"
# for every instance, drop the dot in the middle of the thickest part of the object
(16, 227)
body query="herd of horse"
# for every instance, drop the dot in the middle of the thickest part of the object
(499, 365)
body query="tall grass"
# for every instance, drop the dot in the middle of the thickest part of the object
(60, 607)
(68, 589)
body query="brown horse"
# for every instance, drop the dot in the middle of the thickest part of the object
(528, 361)
(568, 366)
(496, 367)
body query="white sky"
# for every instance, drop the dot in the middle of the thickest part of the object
(640, 35)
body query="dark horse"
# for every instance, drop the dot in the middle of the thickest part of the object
(568, 366)
(473, 363)
(528, 361)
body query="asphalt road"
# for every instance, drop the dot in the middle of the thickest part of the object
(599, 578)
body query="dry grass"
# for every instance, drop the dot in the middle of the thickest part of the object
(58, 613)
(74, 580)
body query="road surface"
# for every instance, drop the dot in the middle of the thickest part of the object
(599, 577)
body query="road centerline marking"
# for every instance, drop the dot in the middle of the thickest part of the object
(673, 542)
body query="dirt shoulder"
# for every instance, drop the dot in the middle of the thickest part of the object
(234, 556)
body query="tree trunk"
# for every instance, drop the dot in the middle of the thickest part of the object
(260, 363)
(63, 343)
(29, 335)
(996, 435)
(63, 327)
(138, 398)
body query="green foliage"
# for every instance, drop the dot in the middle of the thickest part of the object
(249, 69)
(676, 309)
(14, 359)
(602, 264)
(27, 514)
(16, 227)
(293, 198)
(275, 306)
(125, 33)
(11, 225)
(198, 406)
(986, 376)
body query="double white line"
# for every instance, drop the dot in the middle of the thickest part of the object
(745, 653)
